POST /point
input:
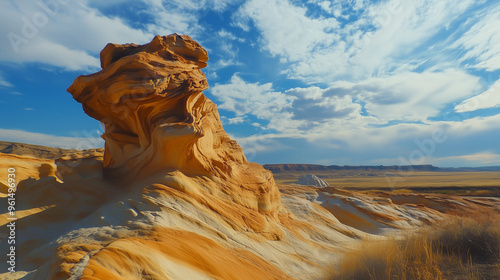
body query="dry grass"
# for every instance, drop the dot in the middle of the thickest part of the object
(462, 248)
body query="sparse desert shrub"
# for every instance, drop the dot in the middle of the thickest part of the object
(460, 248)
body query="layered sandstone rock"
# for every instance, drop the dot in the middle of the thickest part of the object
(157, 121)
(74, 225)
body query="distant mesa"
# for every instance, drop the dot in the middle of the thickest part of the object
(312, 180)
(311, 168)
(315, 168)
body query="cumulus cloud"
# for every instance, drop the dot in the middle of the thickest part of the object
(315, 105)
(285, 28)
(310, 111)
(70, 34)
(172, 16)
(257, 99)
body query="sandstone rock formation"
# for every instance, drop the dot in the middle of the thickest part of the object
(150, 101)
(157, 120)
(173, 197)
(312, 180)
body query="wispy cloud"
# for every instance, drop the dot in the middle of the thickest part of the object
(482, 41)
(323, 49)
(4, 83)
(412, 96)
(482, 158)
(257, 99)
(487, 99)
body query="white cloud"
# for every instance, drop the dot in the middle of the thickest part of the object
(63, 35)
(217, 5)
(406, 96)
(50, 140)
(482, 40)
(181, 16)
(55, 54)
(404, 143)
(236, 120)
(244, 98)
(413, 96)
(401, 27)
(399, 134)
(487, 99)
(108, 3)
(381, 68)
(467, 127)
(339, 8)
(316, 105)
(172, 18)
(321, 49)
(255, 144)
(228, 35)
(4, 83)
(312, 111)
(71, 35)
(226, 54)
(477, 159)
(285, 28)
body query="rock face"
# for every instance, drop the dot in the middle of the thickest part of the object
(149, 99)
(312, 180)
(157, 120)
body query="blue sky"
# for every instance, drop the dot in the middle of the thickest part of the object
(329, 82)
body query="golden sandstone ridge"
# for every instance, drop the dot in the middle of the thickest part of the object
(173, 197)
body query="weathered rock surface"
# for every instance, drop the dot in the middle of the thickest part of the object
(72, 223)
(157, 120)
(312, 180)
(173, 197)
